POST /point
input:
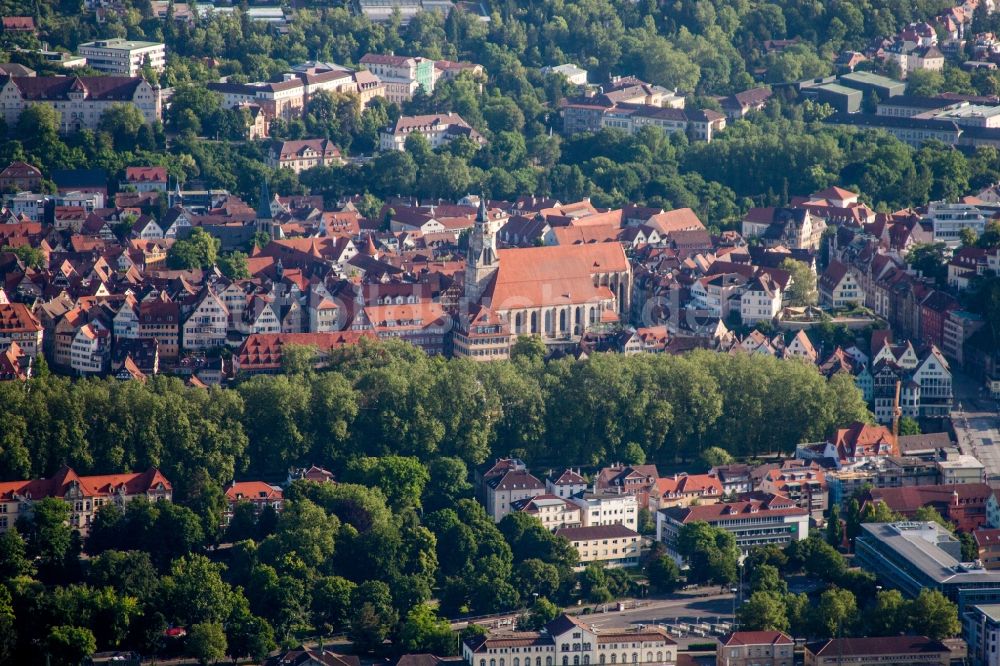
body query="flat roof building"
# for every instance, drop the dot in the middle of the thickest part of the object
(124, 56)
(867, 82)
(911, 556)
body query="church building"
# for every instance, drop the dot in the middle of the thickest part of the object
(557, 292)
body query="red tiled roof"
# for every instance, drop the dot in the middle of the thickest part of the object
(776, 506)
(262, 351)
(253, 490)
(910, 498)
(146, 174)
(881, 645)
(756, 638)
(92, 486)
(17, 318)
(107, 88)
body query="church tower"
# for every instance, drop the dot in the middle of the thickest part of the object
(265, 219)
(482, 261)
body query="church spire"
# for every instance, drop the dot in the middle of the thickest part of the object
(264, 205)
(481, 215)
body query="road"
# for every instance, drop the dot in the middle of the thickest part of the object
(977, 425)
(703, 605)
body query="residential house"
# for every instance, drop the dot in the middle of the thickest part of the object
(838, 287)
(160, 320)
(761, 300)
(19, 324)
(553, 512)
(988, 544)
(206, 325)
(304, 154)
(438, 129)
(90, 352)
(502, 490)
(146, 178)
(20, 177)
(856, 444)
(574, 75)
(566, 485)
(123, 57)
(257, 493)
(612, 545)
(803, 484)
(14, 363)
(755, 648)
(84, 494)
(794, 228)
(742, 103)
(949, 219)
(620, 479)
(684, 490)
(261, 353)
(735, 478)
(801, 348)
(303, 656)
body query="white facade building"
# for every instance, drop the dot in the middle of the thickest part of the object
(123, 56)
(949, 219)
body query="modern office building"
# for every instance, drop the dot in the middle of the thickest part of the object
(124, 57)
(911, 556)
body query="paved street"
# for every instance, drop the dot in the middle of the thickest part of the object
(702, 606)
(977, 425)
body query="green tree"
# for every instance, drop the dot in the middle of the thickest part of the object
(122, 123)
(402, 479)
(234, 265)
(248, 636)
(716, 456)
(50, 539)
(834, 528)
(663, 574)
(908, 426)
(372, 616)
(929, 259)
(31, 257)
(331, 603)
(933, 615)
(195, 592)
(710, 552)
(647, 524)
(535, 577)
(13, 555)
(206, 642)
(198, 250)
(767, 578)
(802, 290)
(763, 611)
(424, 632)
(69, 645)
(835, 613)
(542, 612)
(448, 482)
(889, 615)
